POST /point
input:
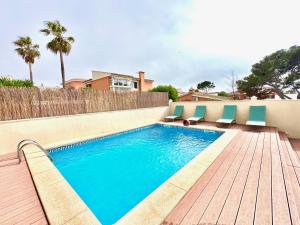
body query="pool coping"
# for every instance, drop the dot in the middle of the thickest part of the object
(64, 206)
(157, 205)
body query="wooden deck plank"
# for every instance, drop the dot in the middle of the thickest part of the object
(290, 180)
(199, 207)
(19, 202)
(295, 160)
(296, 146)
(258, 187)
(187, 202)
(239, 166)
(292, 157)
(280, 208)
(263, 209)
(230, 209)
(246, 209)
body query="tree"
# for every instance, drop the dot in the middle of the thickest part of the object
(232, 84)
(28, 51)
(172, 91)
(223, 94)
(293, 81)
(205, 86)
(251, 85)
(277, 72)
(5, 81)
(59, 44)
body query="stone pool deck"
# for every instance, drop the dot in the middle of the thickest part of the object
(254, 180)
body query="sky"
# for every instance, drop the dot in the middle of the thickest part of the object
(177, 42)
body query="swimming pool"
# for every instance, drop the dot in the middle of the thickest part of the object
(114, 173)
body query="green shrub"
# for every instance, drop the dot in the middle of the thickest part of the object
(7, 82)
(223, 93)
(172, 91)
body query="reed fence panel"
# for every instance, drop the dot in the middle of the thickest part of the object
(23, 103)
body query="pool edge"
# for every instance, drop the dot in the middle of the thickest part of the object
(63, 206)
(157, 205)
(50, 183)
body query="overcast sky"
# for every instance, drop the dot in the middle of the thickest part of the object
(178, 42)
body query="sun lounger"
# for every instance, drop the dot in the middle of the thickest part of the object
(199, 114)
(177, 113)
(229, 114)
(257, 116)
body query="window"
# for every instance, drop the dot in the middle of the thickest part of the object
(122, 83)
(135, 85)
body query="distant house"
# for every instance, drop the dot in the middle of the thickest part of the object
(112, 82)
(200, 96)
(75, 83)
(238, 95)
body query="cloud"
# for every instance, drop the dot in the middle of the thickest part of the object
(175, 42)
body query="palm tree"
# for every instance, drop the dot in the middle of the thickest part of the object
(28, 51)
(59, 44)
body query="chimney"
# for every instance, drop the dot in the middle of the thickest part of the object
(142, 80)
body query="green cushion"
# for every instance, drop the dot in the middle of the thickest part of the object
(257, 113)
(178, 110)
(229, 112)
(200, 111)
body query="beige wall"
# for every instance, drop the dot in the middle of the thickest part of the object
(285, 115)
(53, 131)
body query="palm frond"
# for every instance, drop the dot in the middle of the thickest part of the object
(53, 46)
(45, 31)
(66, 47)
(70, 39)
(26, 49)
(59, 43)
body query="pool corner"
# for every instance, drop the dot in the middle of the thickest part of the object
(61, 203)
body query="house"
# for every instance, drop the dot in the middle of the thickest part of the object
(75, 83)
(238, 95)
(112, 82)
(200, 96)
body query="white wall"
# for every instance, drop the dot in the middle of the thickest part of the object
(285, 114)
(52, 131)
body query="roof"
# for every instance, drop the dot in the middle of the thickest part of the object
(75, 79)
(205, 95)
(101, 74)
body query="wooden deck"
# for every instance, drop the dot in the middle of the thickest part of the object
(255, 180)
(296, 146)
(19, 202)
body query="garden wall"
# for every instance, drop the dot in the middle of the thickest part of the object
(54, 131)
(283, 114)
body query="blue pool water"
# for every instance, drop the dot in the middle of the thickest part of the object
(115, 173)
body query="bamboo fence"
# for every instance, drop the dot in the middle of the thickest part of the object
(23, 103)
